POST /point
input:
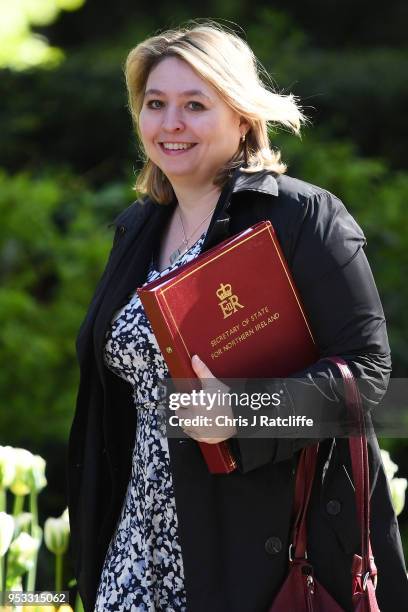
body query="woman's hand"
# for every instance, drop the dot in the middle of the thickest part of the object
(212, 432)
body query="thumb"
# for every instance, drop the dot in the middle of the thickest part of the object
(200, 368)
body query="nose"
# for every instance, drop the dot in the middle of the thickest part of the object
(172, 121)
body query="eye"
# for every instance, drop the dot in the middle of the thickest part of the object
(201, 106)
(152, 102)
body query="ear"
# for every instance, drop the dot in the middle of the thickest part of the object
(244, 125)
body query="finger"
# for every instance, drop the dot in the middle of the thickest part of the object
(200, 368)
(200, 437)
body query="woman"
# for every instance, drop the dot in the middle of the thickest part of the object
(151, 528)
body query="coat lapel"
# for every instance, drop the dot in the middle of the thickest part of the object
(220, 227)
(129, 270)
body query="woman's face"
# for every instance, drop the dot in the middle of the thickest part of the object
(180, 107)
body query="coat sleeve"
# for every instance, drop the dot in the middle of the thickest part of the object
(131, 214)
(341, 300)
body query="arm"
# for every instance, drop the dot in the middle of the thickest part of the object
(335, 282)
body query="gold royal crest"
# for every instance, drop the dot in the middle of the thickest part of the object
(228, 302)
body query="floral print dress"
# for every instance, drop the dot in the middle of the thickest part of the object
(143, 567)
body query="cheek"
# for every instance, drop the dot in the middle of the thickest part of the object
(209, 129)
(220, 129)
(146, 126)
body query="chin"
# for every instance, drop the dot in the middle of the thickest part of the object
(174, 171)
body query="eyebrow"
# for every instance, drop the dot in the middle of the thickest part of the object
(189, 92)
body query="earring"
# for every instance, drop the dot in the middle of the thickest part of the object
(243, 137)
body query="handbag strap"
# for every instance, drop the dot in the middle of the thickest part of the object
(360, 468)
(359, 457)
(303, 487)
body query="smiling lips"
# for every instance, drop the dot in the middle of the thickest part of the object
(171, 148)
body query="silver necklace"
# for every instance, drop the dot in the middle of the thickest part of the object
(182, 248)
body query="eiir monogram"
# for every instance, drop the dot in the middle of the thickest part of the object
(228, 302)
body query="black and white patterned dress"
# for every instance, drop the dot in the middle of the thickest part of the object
(143, 568)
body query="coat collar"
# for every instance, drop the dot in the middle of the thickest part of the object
(262, 181)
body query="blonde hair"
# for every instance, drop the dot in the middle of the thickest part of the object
(227, 63)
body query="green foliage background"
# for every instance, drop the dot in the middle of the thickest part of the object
(68, 159)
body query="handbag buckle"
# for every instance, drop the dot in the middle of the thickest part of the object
(366, 576)
(290, 552)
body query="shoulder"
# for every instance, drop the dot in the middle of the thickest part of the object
(297, 202)
(314, 227)
(324, 235)
(308, 199)
(317, 210)
(295, 189)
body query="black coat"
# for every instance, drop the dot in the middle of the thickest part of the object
(234, 529)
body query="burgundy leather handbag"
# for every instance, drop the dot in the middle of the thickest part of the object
(301, 592)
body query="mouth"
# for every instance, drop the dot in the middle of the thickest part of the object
(178, 149)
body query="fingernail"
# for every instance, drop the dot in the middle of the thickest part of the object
(196, 358)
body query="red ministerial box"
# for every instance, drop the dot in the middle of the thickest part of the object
(237, 307)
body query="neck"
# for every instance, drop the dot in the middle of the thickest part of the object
(195, 203)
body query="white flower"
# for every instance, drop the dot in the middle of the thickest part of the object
(29, 474)
(22, 522)
(23, 461)
(7, 467)
(65, 516)
(56, 535)
(37, 477)
(389, 466)
(22, 553)
(6, 532)
(398, 487)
